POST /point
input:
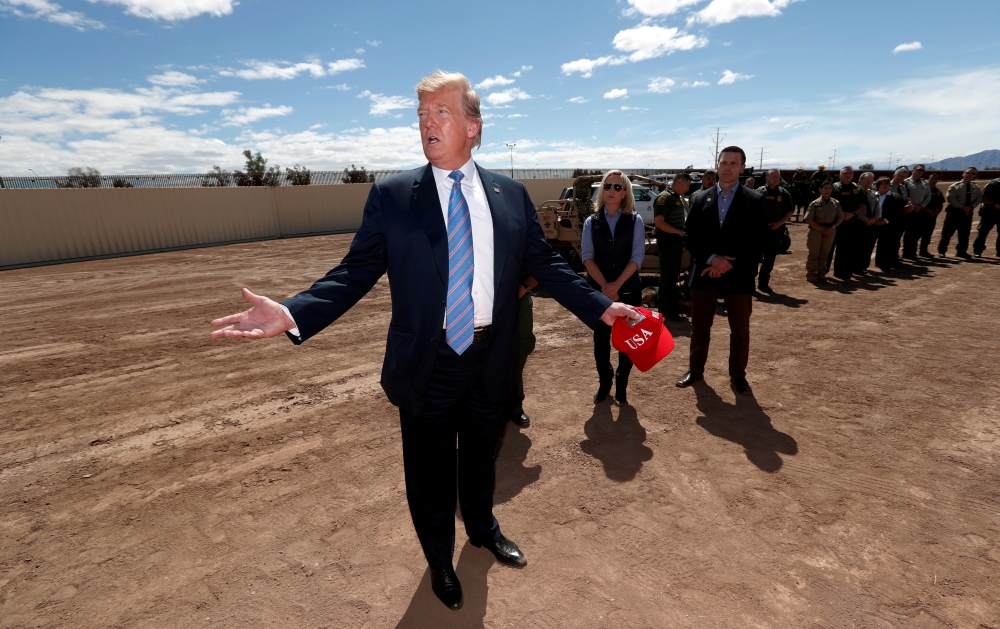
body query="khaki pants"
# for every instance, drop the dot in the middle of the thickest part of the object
(819, 250)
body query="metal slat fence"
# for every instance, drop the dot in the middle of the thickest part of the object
(318, 178)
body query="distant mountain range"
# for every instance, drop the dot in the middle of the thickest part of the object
(983, 160)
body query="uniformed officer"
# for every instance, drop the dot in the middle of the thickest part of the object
(525, 345)
(928, 218)
(780, 208)
(871, 221)
(668, 217)
(708, 181)
(963, 197)
(823, 216)
(893, 234)
(919, 194)
(845, 245)
(989, 215)
(800, 191)
(816, 180)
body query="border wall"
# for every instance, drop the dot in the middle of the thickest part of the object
(55, 225)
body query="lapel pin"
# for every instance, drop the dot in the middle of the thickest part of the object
(496, 189)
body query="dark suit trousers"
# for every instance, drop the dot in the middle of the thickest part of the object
(739, 308)
(847, 242)
(927, 226)
(889, 237)
(866, 245)
(987, 221)
(956, 220)
(671, 251)
(772, 243)
(457, 405)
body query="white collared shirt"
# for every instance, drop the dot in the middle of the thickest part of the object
(482, 235)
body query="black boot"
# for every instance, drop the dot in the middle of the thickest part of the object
(621, 384)
(603, 389)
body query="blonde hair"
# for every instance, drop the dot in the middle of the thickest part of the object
(440, 80)
(628, 203)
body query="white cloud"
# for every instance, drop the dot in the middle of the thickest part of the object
(490, 83)
(627, 108)
(50, 12)
(586, 66)
(729, 77)
(658, 8)
(344, 65)
(518, 116)
(359, 51)
(374, 43)
(579, 100)
(245, 115)
(725, 11)
(660, 85)
(616, 93)
(343, 87)
(173, 10)
(258, 70)
(173, 78)
(695, 84)
(913, 45)
(506, 96)
(383, 105)
(650, 41)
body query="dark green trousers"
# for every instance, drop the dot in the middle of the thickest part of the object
(671, 250)
(525, 345)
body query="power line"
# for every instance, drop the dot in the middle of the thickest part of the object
(717, 139)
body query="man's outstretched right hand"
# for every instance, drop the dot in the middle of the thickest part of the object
(264, 320)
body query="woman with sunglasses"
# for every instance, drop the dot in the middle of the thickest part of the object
(614, 245)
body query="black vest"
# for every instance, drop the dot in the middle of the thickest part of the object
(612, 253)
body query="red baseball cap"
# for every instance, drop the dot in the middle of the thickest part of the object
(646, 341)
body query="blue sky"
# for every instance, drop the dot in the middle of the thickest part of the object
(181, 85)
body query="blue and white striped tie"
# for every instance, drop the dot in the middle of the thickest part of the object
(461, 263)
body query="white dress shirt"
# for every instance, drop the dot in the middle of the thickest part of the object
(482, 239)
(482, 236)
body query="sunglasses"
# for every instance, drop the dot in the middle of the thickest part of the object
(617, 186)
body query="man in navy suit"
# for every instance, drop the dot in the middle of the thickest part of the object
(453, 238)
(725, 232)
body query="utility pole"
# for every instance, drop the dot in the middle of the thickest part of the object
(890, 161)
(717, 138)
(511, 146)
(762, 154)
(833, 164)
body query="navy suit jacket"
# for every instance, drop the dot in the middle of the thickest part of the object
(403, 234)
(742, 236)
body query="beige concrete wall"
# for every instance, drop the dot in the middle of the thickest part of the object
(44, 226)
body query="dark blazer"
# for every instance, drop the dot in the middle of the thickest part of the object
(403, 234)
(742, 236)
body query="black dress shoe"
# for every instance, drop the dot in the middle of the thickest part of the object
(506, 552)
(688, 379)
(521, 420)
(447, 588)
(764, 288)
(941, 255)
(977, 255)
(964, 256)
(741, 386)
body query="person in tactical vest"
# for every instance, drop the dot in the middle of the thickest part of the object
(928, 218)
(614, 245)
(668, 215)
(847, 242)
(989, 215)
(780, 208)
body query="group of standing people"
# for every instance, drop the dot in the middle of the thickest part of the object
(850, 221)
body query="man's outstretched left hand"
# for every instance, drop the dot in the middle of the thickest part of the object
(618, 310)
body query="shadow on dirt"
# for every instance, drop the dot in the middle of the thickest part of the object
(746, 424)
(427, 612)
(512, 475)
(617, 444)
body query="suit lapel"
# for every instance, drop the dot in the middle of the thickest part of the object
(428, 205)
(501, 231)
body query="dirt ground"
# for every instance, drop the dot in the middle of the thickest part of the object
(151, 477)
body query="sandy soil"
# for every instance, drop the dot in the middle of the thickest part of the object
(151, 477)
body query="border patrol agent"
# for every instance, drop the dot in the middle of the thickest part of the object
(823, 215)
(780, 207)
(668, 217)
(852, 201)
(989, 215)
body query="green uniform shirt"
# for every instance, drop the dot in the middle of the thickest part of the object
(850, 196)
(778, 202)
(670, 206)
(992, 191)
